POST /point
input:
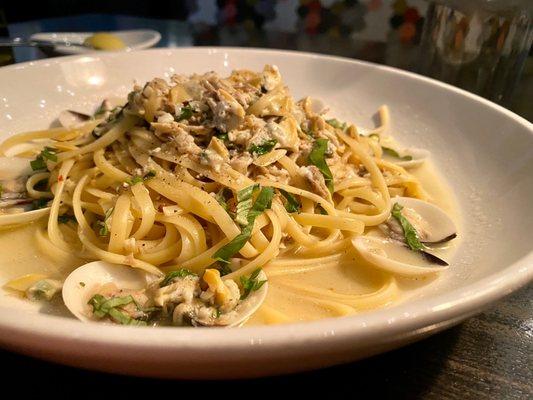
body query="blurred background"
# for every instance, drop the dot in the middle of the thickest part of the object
(483, 46)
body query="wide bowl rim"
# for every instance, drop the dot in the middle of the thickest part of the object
(396, 320)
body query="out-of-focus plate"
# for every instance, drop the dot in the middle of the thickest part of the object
(136, 39)
(484, 151)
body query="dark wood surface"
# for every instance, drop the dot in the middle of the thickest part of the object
(489, 356)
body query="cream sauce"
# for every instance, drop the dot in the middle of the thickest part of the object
(20, 255)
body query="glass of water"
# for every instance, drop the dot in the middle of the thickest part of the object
(478, 45)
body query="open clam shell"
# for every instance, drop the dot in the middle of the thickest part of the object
(393, 256)
(84, 282)
(434, 225)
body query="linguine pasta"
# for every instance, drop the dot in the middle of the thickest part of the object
(230, 174)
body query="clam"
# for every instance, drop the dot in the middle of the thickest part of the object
(69, 118)
(432, 223)
(14, 167)
(395, 257)
(410, 157)
(84, 282)
(392, 254)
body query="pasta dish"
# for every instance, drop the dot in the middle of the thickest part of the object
(211, 201)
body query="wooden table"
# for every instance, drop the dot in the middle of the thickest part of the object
(488, 356)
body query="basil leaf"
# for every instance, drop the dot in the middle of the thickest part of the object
(409, 232)
(186, 113)
(263, 148)
(317, 157)
(222, 136)
(222, 197)
(244, 199)
(292, 204)
(102, 307)
(38, 163)
(224, 269)
(336, 123)
(149, 175)
(394, 153)
(180, 273)
(262, 203)
(251, 283)
(49, 153)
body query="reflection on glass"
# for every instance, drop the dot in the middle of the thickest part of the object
(478, 45)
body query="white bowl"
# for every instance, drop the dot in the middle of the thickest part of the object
(135, 39)
(485, 151)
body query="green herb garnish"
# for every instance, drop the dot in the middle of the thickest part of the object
(336, 123)
(244, 203)
(222, 136)
(251, 284)
(82, 284)
(409, 232)
(262, 203)
(394, 153)
(39, 203)
(317, 157)
(292, 204)
(104, 229)
(138, 179)
(263, 148)
(102, 307)
(222, 197)
(39, 163)
(224, 269)
(186, 113)
(180, 273)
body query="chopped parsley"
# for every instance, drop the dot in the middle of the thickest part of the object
(262, 203)
(251, 284)
(394, 153)
(180, 273)
(244, 203)
(110, 307)
(39, 163)
(317, 157)
(138, 179)
(263, 148)
(336, 123)
(104, 228)
(222, 136)
(186, 113)
(292, 204)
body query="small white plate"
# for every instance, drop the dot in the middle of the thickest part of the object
(136, 39)
(484, 151)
